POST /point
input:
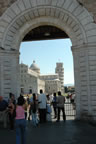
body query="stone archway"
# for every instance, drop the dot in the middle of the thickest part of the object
(71, 17)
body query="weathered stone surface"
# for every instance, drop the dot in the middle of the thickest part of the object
(89, 4)
(4, 4)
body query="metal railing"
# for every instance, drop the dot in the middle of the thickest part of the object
(70, 108)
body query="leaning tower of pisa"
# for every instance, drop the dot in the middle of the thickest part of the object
(60, 71)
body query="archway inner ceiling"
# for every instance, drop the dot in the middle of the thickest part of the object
(45, 33)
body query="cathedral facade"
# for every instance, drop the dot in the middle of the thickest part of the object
(31, 81)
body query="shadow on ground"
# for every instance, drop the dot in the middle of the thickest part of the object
(70, 132)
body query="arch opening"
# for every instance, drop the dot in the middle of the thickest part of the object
(43, 40)
(45, 32)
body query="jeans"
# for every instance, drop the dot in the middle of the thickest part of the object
(63, 111)
(20, 131)
(11, 120)
(42, 115)
(55, 111)
(34, 119)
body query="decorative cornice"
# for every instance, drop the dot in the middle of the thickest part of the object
(11, 51)
(84, 46)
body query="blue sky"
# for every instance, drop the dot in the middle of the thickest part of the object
(46, 54)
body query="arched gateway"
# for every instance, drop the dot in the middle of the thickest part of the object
(67, 15)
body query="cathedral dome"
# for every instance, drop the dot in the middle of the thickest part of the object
(34, 67)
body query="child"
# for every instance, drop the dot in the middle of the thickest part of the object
(49, 110)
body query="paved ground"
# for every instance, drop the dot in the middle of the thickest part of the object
(70, 132)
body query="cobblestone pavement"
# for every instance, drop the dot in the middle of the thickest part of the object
(70, 132)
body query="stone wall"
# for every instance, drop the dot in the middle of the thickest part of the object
(89, 4)
(4, 4)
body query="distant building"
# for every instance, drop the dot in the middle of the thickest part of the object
(32, 81)
(52, 83)
(60, 71)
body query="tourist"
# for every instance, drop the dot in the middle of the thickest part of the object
(3, 104)
(20, 121)
(11, 108)
(12, 97)
(49, 110)
(26, 108)
(3, 111)
(34, 106)
(42, 100)
(28, 99)
(60, 105)
(30, 107)
(54, 102)
(29, 112)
